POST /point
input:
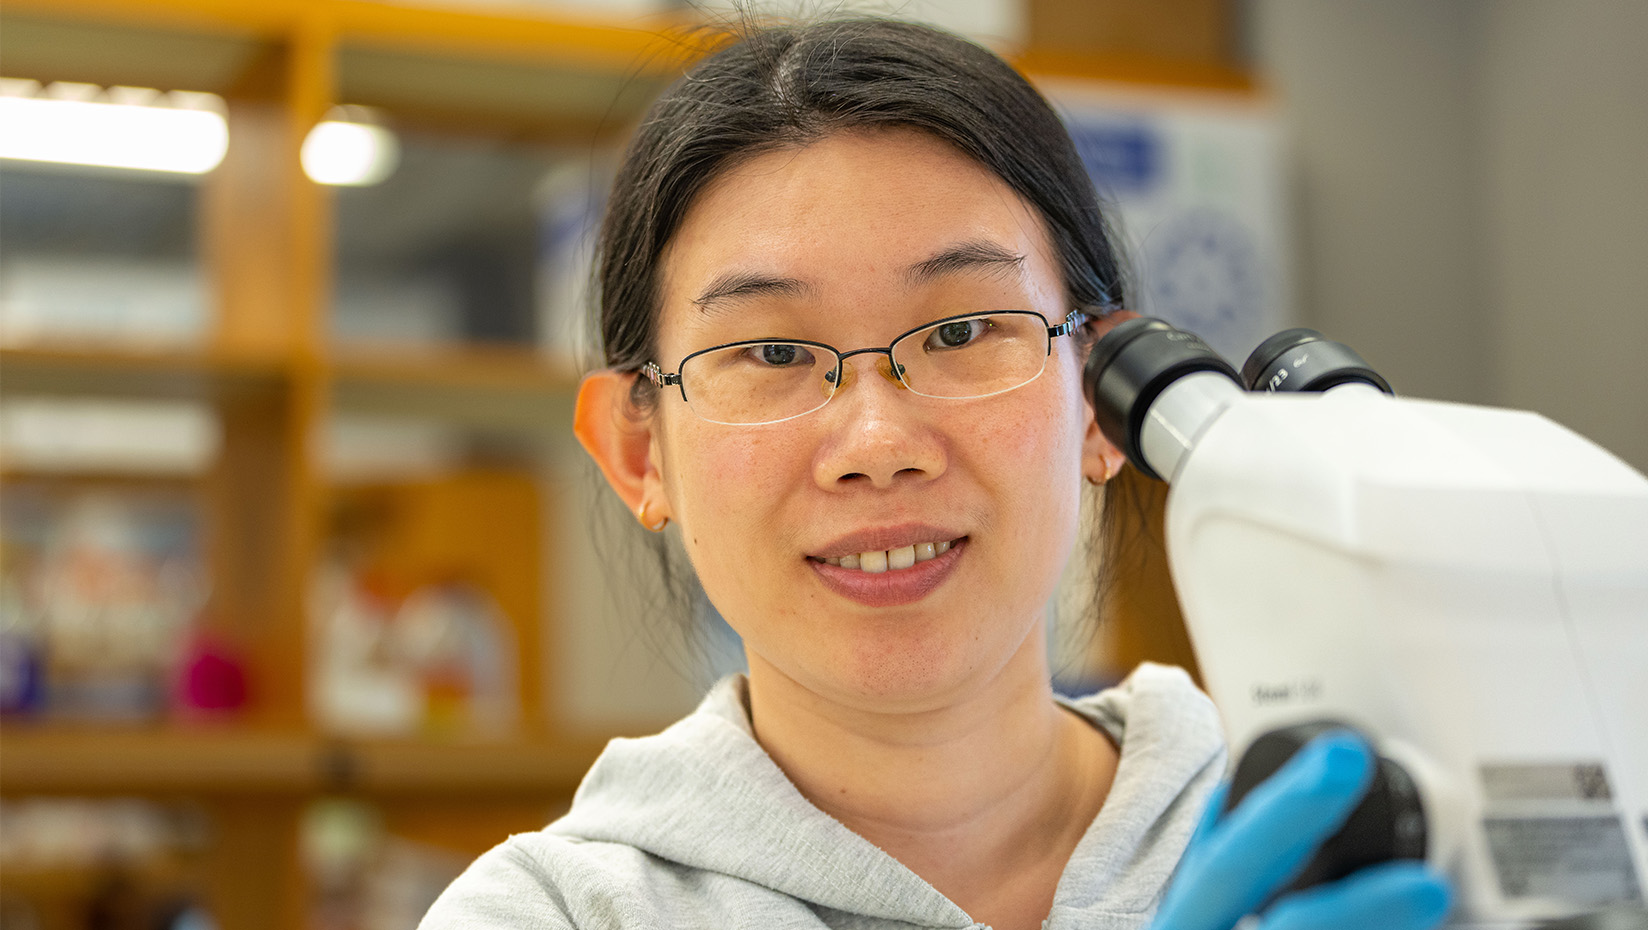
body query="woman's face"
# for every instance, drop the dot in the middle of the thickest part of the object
(851, 241)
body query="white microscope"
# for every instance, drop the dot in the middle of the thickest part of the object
(1466, 586)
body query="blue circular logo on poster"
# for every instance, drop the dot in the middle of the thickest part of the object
(1203, 274)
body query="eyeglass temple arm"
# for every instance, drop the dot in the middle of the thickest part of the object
(656, 375)
(1074, 319)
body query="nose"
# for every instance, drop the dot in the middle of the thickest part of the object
(877, 433)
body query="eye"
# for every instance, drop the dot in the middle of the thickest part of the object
(779, 354)
(956, 333)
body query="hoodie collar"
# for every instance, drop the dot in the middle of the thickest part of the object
(1172, 757)
(704, 794)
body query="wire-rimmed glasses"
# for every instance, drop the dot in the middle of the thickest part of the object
(761, 381)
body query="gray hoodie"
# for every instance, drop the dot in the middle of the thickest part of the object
(696, 827)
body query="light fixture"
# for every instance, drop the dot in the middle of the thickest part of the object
(350, 148)
(121, 127)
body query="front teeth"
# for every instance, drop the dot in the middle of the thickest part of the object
(892, 559)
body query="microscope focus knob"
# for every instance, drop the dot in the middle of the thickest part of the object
(1388, 824)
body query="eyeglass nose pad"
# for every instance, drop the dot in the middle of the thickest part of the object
(887, 369)
(884, 365)
(829, 385)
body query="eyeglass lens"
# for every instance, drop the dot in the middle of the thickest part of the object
(973, 356)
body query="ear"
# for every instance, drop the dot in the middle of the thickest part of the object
(1101, 459)
(619, 440)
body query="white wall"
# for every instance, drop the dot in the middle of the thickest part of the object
(1472, 196)
(1377, 98)
(1564, 155)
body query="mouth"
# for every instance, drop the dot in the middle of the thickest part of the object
(877, 561)
(891, 577)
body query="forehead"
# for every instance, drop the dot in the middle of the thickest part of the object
(855, 209)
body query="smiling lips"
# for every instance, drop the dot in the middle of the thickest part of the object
(894, 576)
(877, 561)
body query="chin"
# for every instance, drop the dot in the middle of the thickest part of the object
(916, 672)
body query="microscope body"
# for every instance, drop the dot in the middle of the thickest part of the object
(1466, 585)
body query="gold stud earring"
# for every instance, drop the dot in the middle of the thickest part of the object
(1111, 469)
(658, 527)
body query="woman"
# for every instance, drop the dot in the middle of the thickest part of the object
(849, 275)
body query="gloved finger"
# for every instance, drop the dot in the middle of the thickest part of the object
(1270, 835)
(1274, 830)
(1390, 896)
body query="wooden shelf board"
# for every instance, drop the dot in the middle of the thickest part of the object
(489, 768)
(156, 373)
(105, 759)
(474, 366)
(640, 45)
(266, 17)
(1139, 70)
(60, 759)
(507, 68)
(80, 881)
(13, 475)
(546, 100)
(48, 48)
(503, 387)
(509, 31)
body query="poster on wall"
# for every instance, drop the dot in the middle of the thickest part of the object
(1195, 186)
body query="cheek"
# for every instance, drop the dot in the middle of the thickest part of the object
(719, 478)
(1035, 456)
(1042, 435)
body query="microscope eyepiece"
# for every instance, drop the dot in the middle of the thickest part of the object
(1305, 360)
(1127, 372)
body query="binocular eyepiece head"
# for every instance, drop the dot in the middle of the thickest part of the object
(1137, 361)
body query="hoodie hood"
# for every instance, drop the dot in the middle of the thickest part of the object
(704, 795)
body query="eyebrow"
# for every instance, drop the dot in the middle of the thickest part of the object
(740, 285)
(975, 255)
(736, 286)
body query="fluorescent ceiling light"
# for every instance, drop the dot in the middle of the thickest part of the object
(124, 127)
(351, 152)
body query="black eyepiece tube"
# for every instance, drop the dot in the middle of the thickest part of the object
(1131, 366)
(1305, 360)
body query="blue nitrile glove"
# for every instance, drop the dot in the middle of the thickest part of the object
(1234, 865)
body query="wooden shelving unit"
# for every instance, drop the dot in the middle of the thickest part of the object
(275, 378)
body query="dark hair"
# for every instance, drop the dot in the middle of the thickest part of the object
(790, 85)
